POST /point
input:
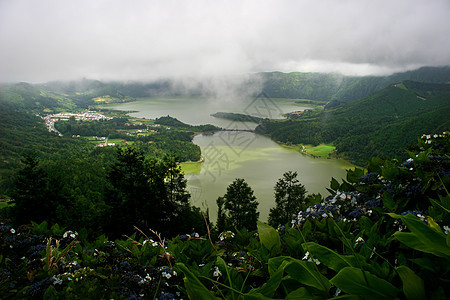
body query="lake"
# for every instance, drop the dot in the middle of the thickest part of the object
(237, 154)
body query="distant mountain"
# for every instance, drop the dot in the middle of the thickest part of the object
(340, 89)
(382, 124)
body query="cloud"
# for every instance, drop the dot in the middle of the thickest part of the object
(145, 40)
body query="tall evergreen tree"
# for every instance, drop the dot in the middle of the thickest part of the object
(221, 217)
(34, 196)
(239, 206)
(289, 198)
(148, 193)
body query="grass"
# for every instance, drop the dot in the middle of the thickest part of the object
(323, 150)
(402, 86)
(142, 120)
(116, 141)
(191, 167)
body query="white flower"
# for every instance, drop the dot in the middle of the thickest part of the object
(70, 234)
(56, 280)
(166, 274)
(306, 255)
(446, 229)
(12, 231)
(359, 240)
(217, 272)
(314, 260)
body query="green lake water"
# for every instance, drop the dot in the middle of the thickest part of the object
(236, 154)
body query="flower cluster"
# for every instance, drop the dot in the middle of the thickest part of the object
(345, 206)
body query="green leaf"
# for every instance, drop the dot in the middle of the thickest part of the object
(355, 175)
(431, 239)
(269, 237)
(269, 288)
(395, 216)
(306, 273)
(300, 294)
(328, 257)
(388, 201)
(51, 293)
(413, 286)
(353, 281)
(334, 184)
(444, 200)
(390, 172)
(194, 288)
(306, 228)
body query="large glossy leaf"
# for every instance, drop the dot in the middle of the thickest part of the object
(413, 286)
(353, 176)
(269, 288)
(330, 258)
(388, 201)
(194, 288)
(306, 273)
(334, 184)
(353, 281)
(302, 271)
(269, 237)
(301, 294)
(423, 237)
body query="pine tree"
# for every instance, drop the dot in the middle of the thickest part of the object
(34, 196)
(148, 193)
(289, 198)
(239, 206)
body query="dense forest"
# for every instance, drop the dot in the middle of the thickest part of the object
(84, 221)
(382, 125)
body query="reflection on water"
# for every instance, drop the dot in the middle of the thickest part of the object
(261, 162)
(233, 154)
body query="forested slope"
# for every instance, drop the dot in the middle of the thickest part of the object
(339, 88)
(379, 125)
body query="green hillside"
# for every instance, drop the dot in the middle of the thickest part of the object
(379, 125)
(340, 89)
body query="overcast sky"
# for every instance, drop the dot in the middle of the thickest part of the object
(144, 40)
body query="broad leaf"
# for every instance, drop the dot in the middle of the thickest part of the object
(306, 273)
(432, 240)
(328, 257)
(301, 294)
(269, 288)
(269, 237)
(388, 201)
(194, 288)
(334, 184)
(353, 281)
(413, 286)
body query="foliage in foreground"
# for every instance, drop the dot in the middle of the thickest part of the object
(379, 235)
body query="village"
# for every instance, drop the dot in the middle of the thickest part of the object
(94, 116)
(86, 116)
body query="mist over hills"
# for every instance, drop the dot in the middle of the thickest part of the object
(334, 88)
(339, 89)
(364, 116)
